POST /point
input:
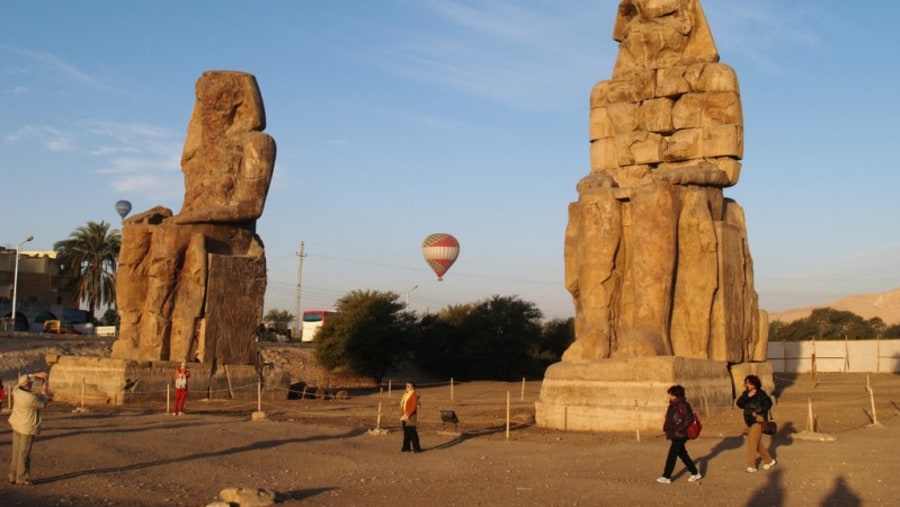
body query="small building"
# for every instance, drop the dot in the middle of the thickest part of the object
(42, 292)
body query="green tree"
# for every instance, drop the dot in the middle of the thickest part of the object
(110, 318)
(495, 339)
(368, 335)
(892, 332)
(556, 336)
(828, 324)
(89, 257)
(279, 319)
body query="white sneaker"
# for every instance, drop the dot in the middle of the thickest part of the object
(664, 480)
(695, 477)
(769, 465)
(750, 470)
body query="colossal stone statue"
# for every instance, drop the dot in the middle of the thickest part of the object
(190, 286)
(656, 257)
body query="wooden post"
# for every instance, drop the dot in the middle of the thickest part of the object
(258, 396)
(871, 400)
(523, 388)
(378, 420)
(810, 420)
(390, 386)
(846, 355)
(168, 398)
(82, 391)
(451, 388)
(813, 363)
(507, 415)
(637, 422)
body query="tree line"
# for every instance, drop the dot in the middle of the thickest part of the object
(498, 338)
(831, 324)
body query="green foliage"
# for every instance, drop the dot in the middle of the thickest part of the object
(892, 332)
(495, 339)
(110, 318)
(500, 338)
(828, 324)
(279, 319)
(556, 336)
(368, 335)
(89, 256)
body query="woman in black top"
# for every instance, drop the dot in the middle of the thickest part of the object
(756, 404)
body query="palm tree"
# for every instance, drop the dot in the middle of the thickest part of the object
(89, 258)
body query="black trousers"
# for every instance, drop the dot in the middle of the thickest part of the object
(410, 438)
(677, 450)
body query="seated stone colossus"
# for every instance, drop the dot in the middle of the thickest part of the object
(190, 285)
(656, 258)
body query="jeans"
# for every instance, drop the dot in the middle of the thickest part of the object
(677, 450)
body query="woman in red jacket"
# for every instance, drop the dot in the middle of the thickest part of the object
(182, 375)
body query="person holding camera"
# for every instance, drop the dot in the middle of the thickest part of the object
(756, 404)
(26, 424)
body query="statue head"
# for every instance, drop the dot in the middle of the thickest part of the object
(655, 34)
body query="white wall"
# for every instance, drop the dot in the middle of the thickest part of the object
(877, 356)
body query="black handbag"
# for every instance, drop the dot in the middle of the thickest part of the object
(769, 427)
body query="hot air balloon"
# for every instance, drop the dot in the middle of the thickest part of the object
(440, 251)
(123, 208)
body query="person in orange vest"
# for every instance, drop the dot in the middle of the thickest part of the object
(182, 375)
(409, 405)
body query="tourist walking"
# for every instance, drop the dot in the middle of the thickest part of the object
(756, 404)
(409, 405)
(26, 424)
(182, 375)
(679, 416)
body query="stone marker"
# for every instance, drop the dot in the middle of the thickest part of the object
(656, 257)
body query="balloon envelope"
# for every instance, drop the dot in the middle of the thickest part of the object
(123, 208)
(440, 251)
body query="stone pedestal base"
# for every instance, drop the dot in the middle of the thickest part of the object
(100, 381)
(627, 394)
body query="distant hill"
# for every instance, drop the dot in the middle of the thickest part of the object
(885, 305)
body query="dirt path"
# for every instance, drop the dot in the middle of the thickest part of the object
(314, 452)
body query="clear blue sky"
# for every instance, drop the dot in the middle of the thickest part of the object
(398, 118)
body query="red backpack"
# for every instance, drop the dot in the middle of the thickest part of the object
(693, 431)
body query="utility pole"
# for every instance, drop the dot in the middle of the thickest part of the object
(298, 315)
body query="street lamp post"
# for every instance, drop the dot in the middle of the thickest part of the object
(414, 287)
(16, 281)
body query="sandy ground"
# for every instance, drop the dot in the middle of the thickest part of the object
(322, 452)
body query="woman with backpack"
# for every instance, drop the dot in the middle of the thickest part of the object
(679, 416)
